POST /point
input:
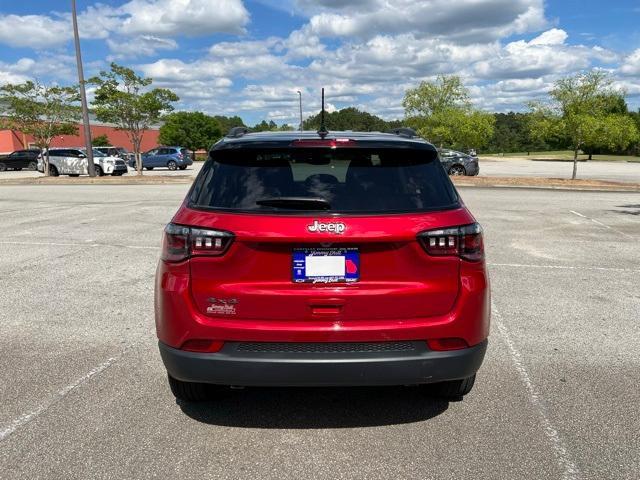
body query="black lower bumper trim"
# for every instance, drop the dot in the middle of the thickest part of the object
(232, 366)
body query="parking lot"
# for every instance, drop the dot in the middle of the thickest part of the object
(84, 393)
(613, 171)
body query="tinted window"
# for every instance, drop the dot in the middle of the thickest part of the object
(350, 180)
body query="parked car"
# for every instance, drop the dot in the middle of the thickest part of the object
(73, 162)
(458, 163)
(119, 152)
(306, 260)
(169, 157)
(20, 159)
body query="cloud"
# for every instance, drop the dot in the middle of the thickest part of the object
(631, 64)
(544, 55)
(141, 46)
(465, 20)
(184, 17)
(34, 31)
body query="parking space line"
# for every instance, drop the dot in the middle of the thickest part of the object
(87, 244)
(597, 222)
(564, 267)
(569, 469)
(25, 418)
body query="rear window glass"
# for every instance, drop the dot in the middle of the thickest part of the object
(349, 180)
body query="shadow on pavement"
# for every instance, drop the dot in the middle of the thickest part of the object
(631, 209)
(316, 407)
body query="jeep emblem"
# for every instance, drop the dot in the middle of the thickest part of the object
(317, 226)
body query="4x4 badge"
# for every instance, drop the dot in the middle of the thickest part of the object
(335, 227)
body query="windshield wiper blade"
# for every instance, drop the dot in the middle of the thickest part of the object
(299, 203)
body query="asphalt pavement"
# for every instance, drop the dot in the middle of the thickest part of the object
(83, 393)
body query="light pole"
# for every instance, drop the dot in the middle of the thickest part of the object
(300, 96)
(91, 169)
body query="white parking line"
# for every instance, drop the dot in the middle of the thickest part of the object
(25, 418)
(564, 267)
(569, 469)
(602, 224)
(86, 244)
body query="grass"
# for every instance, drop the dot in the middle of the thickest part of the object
(563, 155)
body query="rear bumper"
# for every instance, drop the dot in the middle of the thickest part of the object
(231, 366)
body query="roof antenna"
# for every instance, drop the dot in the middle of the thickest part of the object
(322, 131)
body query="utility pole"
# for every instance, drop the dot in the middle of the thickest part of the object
(91, 169)
(300, 96)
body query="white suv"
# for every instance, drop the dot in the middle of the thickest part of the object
(73, 162)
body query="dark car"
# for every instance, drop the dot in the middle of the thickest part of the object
(322, 259)
(20, 159)
(458, 163)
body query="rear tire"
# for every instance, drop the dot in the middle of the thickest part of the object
(453, 389)
(171, 165)
(3, 167)
(53, 171)
(33, 166)
(189, 391)
(457, 170)
(99, 172)
(183, 167)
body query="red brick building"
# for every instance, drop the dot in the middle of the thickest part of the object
(11, 140)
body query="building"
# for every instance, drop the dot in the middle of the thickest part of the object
(11, 140)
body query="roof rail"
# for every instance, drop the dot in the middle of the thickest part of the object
(404, 132)
(237, 132)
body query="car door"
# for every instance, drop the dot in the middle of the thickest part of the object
(162, 157)
(148, 158)
(15, 160)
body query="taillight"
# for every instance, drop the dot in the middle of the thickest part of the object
(180, 156)
(464, 242)
(180, 242)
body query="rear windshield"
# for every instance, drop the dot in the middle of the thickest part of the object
(348, 180)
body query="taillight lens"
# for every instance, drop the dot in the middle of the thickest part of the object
(181, 242)
(464, 242)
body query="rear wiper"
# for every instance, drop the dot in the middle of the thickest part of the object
(301, 203)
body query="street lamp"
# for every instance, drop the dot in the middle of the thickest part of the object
(91, 169)
(300, 96)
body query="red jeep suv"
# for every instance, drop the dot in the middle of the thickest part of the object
(331, 259)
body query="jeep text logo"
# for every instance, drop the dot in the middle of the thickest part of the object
(327, 227)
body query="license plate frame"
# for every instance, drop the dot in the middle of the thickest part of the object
(320, 265)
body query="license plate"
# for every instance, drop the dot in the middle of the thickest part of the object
(326, 265)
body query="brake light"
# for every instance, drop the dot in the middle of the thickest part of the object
(330, 143)
(464, 241)
(181, 242)
(180, 156)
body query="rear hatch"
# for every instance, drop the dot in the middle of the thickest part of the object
(322, 232)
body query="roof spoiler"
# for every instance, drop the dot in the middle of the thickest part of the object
(237, 132)
(404, 132)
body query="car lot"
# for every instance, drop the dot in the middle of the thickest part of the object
(83, 392)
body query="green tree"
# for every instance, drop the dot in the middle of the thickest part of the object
(101, 141)
(265, 126)
(351, 119)
(41, 111)
(193, 130)
(126, 100)
(441, 112)
(227, 123)
(585, 110)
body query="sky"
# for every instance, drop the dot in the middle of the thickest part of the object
(250, 57)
